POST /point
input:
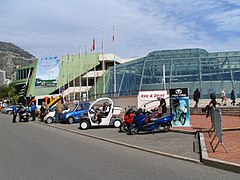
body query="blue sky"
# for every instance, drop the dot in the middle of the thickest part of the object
(58, 27)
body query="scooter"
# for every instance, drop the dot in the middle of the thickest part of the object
(127, 121)
(155, 122)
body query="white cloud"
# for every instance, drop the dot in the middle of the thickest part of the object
(55, 27)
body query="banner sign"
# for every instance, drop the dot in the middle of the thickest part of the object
(178, 92)
(47, 72)
(179, 105)
(145, 97)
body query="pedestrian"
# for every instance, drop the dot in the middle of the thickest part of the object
(58, 111)
(196, 97)
(211, 105)
(20, 112)
(42, 111)
(223, 97)
(33, 111)
(14, 113)
(162, 105)
(233, 98)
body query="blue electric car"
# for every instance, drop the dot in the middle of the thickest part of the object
(75, 115)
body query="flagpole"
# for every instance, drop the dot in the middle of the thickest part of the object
(68, 65)
(87, 74)
(103, 64)
(114, 66)
(94, 69)
(80, 77)
(74, 83)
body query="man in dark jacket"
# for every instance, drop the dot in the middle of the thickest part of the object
(196, 97)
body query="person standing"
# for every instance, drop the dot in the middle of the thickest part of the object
(211, 105)
(33, 111)
(233, 98)
(42, 111)
(163, 104)
(14, 113)
(196, 97)
(20, 112)
(58, 111)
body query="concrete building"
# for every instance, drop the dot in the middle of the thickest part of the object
(70, 75)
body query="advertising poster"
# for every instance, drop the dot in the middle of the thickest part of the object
(179, 105)
(150, 98)
(47, 72)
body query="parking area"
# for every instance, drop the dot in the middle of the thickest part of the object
(180, 144)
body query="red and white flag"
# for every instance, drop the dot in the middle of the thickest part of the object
(113, 37)
(68, 56)
(94, 45)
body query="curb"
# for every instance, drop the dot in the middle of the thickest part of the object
(183, 131)
(234, 167)
(126, 144)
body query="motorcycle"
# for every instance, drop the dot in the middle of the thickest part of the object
(154, 122)
(24, 115)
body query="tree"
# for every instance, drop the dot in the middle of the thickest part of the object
(9, 93)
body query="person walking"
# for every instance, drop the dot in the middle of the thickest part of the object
(223, 97)
(14, 113)
(196, 97)
(233, 98)
(33, 111)
(58, 111)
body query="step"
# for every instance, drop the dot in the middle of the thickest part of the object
(228, 110)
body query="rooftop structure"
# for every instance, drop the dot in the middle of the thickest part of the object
(165, 69)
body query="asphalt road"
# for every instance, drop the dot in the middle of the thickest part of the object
(33, 151)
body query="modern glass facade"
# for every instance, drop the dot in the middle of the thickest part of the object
(165, 69)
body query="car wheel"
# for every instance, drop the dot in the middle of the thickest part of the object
(49, 120)
(117, 123)
(70, 120)
(84, 125)
(9, 112)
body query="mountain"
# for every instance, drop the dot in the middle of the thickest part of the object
(12, 56)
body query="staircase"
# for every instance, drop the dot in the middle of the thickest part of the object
(226, 110)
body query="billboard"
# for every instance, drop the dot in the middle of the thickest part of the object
(179, 105)
(47, 72)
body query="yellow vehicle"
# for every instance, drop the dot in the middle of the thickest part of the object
(50, 100)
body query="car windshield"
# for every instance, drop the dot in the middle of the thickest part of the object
(82, 106)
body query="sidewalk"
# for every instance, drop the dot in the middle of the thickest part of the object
(231, 137)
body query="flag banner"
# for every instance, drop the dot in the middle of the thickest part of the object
(68, 57)
(113, 35)
(93, 45)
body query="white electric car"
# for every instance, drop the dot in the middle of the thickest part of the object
(97, 116)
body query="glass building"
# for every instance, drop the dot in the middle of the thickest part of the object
(165, 69)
